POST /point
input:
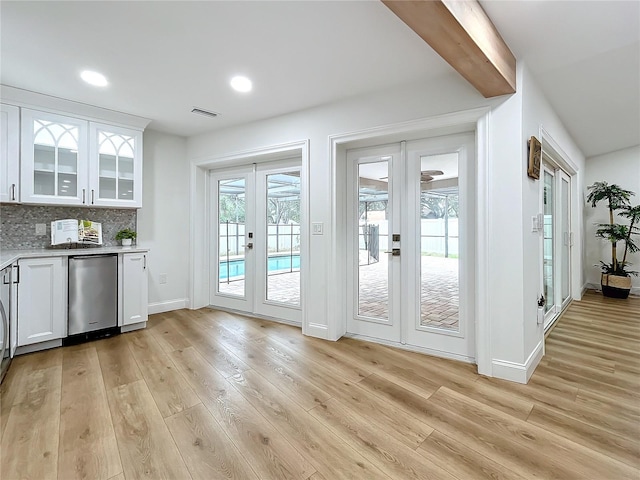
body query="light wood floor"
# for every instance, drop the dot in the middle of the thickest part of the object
(209, 395)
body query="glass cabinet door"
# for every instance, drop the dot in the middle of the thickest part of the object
(54, 156)
(116, 173)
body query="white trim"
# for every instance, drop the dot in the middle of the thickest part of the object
(556, 153)
(199, 261)
(168, 306)
(484, 221)
(456, 122)
(132, 327)
(256, 315)
(36, 347)
(519, 372)
(412, 348)
(263, 155)
(47, 103)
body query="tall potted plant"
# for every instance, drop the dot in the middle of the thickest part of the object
(616, 278)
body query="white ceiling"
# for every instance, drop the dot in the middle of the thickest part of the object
(586, 58)
(164, 58)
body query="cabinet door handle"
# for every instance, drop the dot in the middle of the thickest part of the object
(144, 265)
(83, 195)
(13, 191)
(92, 196)
(4, 278)
(18, 275)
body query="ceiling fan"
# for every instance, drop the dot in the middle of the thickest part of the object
(425, 176)
(429, 175)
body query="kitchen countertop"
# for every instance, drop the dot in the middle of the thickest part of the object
(7, 257)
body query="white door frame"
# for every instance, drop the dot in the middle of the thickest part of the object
(474, 120)
(200, 221)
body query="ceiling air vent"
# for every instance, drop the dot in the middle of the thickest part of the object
(206, 113)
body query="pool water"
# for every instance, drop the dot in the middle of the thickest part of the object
(236, 267)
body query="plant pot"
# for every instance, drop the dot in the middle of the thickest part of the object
(126, 242)
(615, 286)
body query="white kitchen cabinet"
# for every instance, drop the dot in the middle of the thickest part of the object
(9, 153)
(41, 300)
(115, 167)
(70, 161)
(55, 158)
(134, 288)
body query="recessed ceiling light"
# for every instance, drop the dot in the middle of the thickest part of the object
(241, 84)
(94, 78)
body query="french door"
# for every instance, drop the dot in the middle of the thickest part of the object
(557, 241)
(411, 244)
(256, 239)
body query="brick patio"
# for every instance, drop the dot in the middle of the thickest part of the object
(439, 296)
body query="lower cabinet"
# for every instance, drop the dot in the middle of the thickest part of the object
(134, 288)
(41, 300)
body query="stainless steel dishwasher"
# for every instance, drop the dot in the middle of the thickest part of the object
(93, 293)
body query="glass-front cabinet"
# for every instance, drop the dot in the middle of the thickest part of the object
(116, 166)
(54, 159)
(70, 161)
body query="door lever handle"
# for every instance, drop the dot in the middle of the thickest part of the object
(248, 245)
(394, 252)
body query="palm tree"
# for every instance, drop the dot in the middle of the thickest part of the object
(617, 198)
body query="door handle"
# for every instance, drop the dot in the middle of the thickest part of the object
(13, 191)
(248, 245)
(395, 252)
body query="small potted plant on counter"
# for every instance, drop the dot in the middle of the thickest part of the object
(126, 236)
(616, 278)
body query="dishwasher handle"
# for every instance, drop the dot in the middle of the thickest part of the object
(100, 255)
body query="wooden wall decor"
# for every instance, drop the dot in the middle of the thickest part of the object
(535, 157)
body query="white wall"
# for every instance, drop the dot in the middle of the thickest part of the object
(622, 168)
(513, 264)
(538, 114)
(163, 221)
(443, 95)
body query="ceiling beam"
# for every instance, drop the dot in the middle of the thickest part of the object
(464, 36)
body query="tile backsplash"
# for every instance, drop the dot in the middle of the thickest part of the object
(18, 223)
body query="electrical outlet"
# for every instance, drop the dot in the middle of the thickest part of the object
(41, 229)
(162, 278)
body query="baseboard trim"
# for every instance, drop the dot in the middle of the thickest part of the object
(596, 286)
(36, 347)
(168, 306)
(413, 348)
(518, 372)
(256, 315)
(132, 327)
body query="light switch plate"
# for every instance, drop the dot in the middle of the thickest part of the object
(317, 228)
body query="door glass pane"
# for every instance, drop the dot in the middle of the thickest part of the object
(373, 239)
(439, 240)
(283, 238)
(116, 153)
(55, 159)
(566, 240)
(231, 236)
(548, 252)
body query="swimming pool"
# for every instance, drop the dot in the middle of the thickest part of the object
(275, 263)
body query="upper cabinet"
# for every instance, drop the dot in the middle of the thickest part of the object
(69, 161)
(115, 167)
(54, 159)
(9, 153)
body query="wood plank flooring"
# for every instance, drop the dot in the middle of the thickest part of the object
(211, 395)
